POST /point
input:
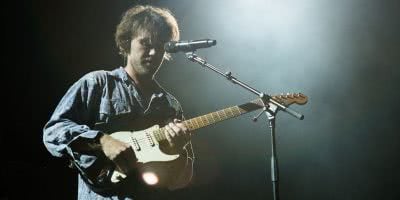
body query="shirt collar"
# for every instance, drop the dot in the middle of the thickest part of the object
(123, 75)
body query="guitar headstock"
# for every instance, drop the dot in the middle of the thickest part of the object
(291, 98)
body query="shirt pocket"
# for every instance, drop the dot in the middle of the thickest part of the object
(110, 109)
(162, 114)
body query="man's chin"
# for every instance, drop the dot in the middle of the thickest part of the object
(147, 72)
(147, 69)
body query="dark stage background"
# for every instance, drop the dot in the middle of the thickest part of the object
(344, 55)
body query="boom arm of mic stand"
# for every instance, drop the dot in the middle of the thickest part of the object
(228, 75)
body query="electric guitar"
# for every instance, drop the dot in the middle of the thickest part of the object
(164, 170)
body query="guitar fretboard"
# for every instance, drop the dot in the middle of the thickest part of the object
(214, 117)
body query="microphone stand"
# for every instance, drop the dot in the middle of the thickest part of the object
(271, 108)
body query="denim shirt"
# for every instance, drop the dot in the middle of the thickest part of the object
(103, 102)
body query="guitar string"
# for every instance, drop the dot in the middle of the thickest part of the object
(205, 121)
(208, 120)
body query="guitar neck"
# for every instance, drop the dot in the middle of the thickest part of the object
(214, 117)
(221, 115)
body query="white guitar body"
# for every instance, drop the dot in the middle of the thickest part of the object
(175, 171)
(166, 170)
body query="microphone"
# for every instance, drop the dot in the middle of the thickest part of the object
(186, 46)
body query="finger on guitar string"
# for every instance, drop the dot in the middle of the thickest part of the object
(182, 127)
(168, 133)
(172, 129)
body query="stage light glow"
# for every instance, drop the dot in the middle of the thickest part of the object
(150, 178)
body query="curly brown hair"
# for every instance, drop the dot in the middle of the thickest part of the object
(159, 22)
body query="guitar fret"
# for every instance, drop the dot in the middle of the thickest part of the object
(226, 114)
(198, 119)
(230, 109)
(220, 118)
(214, 118)
(207, 121)
(233, 114)
(210, 119)
(204, 120)
(193, 125)
(188, 124)
(197, 123)
(222, 114)
(238, 109)
(234, 111)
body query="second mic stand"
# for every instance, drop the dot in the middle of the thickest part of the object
(271, 107)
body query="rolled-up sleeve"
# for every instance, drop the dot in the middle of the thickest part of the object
(72, 121)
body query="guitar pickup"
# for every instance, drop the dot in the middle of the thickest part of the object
(135, 144)
(150, 139)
